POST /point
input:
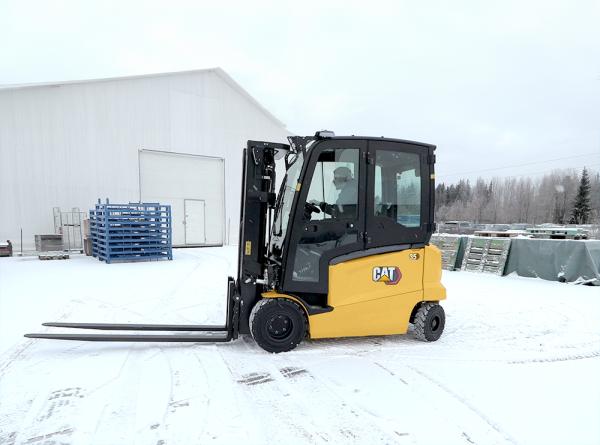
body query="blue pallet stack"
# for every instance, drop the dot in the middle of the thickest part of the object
(131, 232)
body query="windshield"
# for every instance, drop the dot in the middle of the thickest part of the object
(284, 205)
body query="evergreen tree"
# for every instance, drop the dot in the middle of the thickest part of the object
(581, 206)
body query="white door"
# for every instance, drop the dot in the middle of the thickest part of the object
(175, 179)
(195, 219)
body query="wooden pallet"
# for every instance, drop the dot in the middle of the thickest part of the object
(498, 234)
(53, 256)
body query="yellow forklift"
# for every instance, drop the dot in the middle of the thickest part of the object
(341, 251)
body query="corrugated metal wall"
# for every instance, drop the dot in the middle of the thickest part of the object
(67, 145)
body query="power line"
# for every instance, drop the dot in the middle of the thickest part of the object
(544, 171)
(550, 170)
(520, 165)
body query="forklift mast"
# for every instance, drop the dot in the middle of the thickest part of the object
(256, 206)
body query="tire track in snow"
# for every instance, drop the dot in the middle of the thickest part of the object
(422, 396)
(18, 411)
(105, 392)
(359, 424)
(266, 402)
(127, 406)
(13, 355)
(19, 352)
(593, 354)
(353, 424)
(465, 404)
(492, 352)
(231, 417)
(188, 400)
(283, 388)
(157, 311)
(52, 413)
(397, 409)
(201, 262)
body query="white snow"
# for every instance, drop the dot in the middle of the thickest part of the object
(519, 363)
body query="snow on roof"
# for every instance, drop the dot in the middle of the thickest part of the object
(216, 70)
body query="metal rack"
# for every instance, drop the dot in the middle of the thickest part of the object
(131, 232)
(68, 225)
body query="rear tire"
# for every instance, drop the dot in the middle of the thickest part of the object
(429, 322)
(278, 324)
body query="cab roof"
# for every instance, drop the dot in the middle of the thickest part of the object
(379, 138)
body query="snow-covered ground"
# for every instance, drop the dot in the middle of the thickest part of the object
(519, 363)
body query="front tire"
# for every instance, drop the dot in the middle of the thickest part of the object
(278, 324)
(429, 322)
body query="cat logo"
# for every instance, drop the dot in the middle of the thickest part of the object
(387, 274)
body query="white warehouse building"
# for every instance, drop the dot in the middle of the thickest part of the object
(173, 138)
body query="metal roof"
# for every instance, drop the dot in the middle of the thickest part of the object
(216, 70)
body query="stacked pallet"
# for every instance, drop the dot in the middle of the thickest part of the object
(451, 247)
(131, 232)
(558, 233)
(486, 255)
(53, 256)
(500, 233)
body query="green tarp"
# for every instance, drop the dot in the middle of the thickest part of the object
(556, 260)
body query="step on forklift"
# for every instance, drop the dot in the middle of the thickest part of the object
(341, 251)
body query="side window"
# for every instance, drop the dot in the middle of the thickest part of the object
(334, 185)
(398, 187)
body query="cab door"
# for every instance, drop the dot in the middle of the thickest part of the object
(398, 195)
(329, 218)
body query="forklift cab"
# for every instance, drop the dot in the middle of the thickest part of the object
(383, 201)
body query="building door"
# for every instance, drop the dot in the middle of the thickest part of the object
(194, 187)
(195, 221)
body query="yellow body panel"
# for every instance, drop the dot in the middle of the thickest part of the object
(365, 299)
(432, 275)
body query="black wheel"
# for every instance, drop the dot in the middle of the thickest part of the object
(278, 324)
(429, 321)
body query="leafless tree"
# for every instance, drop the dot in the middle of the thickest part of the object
(546, 199)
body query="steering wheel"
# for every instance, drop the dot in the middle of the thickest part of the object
(310, 207)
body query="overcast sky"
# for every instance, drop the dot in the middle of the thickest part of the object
(492, 84)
